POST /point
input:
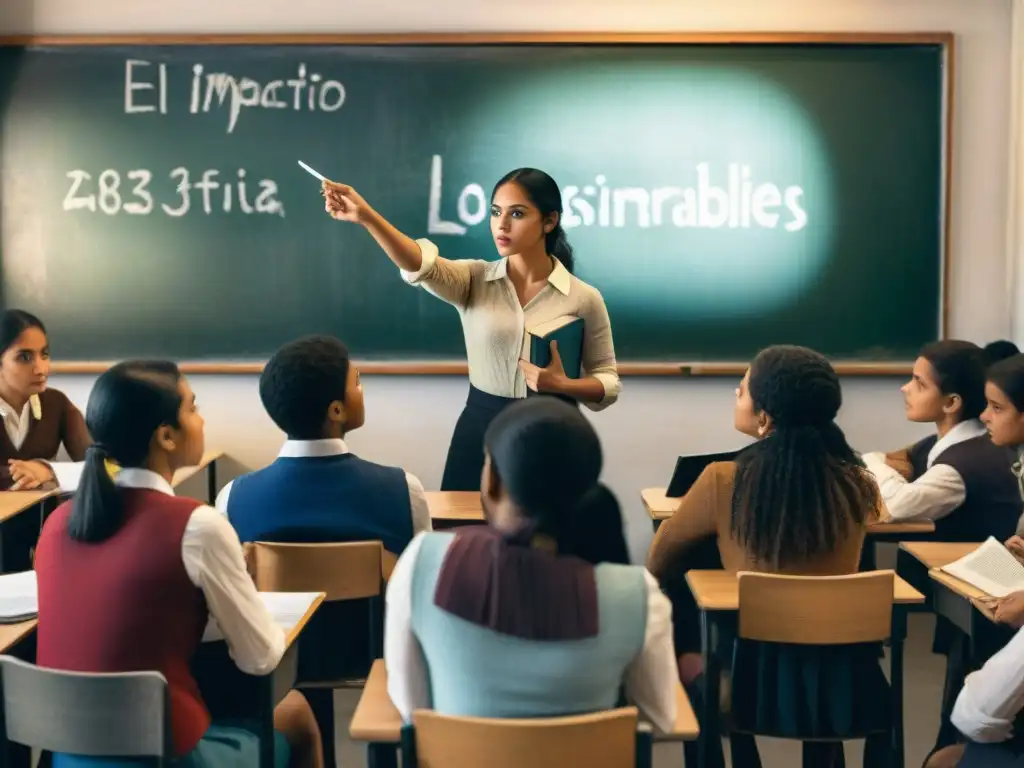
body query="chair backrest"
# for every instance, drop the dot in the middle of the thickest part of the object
(816, 610)
(124, 714)
(600, 740)
(345, 571)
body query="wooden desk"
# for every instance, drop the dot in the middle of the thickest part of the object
(661, 507)
(208, 464)
(451, 508)
(232, 694)
(935, 554)
(377, 722)
(717, 594)
(720, 591)
(12, 634)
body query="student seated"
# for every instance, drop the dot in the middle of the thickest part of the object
(36, 420)
(1004, 410)
(796, 502)
(520, 618)
(990, 710)
(316, 490)
(956, 477)
(129, 574)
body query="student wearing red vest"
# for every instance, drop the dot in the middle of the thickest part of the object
(129, 574)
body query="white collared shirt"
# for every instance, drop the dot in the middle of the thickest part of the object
(17, 425)
(650, 680)
(993, 696)
(306, 449)
(495, 325)
(213, 560)
(937, 492)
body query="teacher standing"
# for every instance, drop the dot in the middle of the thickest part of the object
(499, 301)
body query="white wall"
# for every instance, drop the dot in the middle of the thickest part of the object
(410, 419)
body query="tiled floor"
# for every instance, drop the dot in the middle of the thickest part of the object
(923, 674)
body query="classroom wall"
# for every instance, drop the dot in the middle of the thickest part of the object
(410, 419)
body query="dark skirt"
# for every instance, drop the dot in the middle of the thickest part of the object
(465, 461)
(1007, 755)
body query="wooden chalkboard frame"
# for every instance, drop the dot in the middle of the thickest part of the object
(458, 367)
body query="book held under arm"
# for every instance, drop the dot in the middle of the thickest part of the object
(567, 330)
(991, 568)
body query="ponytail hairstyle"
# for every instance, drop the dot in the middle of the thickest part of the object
(1008, 375)
(545, 195)
(13, 323)
(127, 405)
(798, 491)
(547, 457)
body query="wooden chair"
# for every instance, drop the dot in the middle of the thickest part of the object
(826, 629)
(125, 714)
(609, 739)
(332, 652)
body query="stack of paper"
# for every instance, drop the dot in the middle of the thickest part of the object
(286, 608)
(991, 568)
(18, 600)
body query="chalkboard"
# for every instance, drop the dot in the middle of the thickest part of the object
(722, 197)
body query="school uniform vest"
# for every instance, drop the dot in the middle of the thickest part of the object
(126, 604)
(992, 506)
(475, 671)
(323, 499)
(60, 423)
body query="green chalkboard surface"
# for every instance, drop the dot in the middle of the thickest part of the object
(721, 197)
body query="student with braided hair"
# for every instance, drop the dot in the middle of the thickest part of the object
(795, 502)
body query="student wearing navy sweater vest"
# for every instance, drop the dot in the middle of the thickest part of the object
(316, 490)
(129, 574)
(531, 615)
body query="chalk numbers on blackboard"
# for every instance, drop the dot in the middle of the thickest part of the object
(112, 193)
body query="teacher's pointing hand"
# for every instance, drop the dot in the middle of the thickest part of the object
(343, 203)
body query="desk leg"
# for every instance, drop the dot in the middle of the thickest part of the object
(381, 755)
(899, 634)
(710, 739)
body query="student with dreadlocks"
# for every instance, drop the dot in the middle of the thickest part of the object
(795, 502)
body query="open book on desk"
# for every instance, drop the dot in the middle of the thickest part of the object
(18, 597)
(286, 608)
(991, 568)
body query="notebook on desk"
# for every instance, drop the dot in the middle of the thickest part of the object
(991, 568)
(286, 608)
(18, 597)
(688, 469)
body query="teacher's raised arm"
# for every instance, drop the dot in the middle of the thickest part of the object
(532, 286)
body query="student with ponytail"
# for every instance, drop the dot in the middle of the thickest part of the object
(533, 282)
(129, 574)
(528, 616)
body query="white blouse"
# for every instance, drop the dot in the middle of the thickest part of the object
(495, 325)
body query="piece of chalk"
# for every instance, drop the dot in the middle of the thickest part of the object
(311, 172)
